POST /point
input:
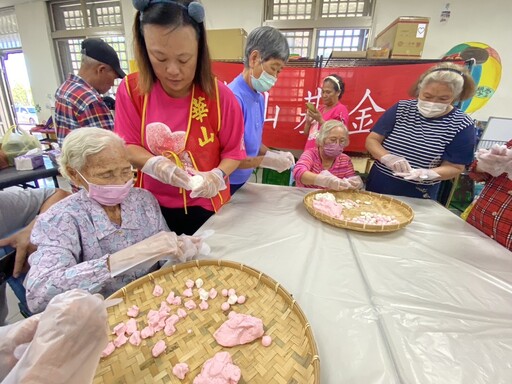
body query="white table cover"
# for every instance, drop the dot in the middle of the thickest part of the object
(431, 303)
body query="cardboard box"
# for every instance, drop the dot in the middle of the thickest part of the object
(404, 37)
(377, 53)
(348, 54)
(226, 44)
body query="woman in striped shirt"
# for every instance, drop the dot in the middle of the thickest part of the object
(420, 142)
(326, 166)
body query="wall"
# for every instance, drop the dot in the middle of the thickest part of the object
(35, 34)
(470, 20)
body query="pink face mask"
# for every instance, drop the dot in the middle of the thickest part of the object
(333, 150)
(108, 195)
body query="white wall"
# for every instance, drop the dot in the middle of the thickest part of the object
(35, 34)
(487, 22)
(471, 20)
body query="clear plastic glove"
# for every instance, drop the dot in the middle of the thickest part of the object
(13, 336)
(277, 160)
(327, 180)
(396, 163)
(494, 161)
(65, 343)
(355, 182)
(145, 253)
(190, 247)
(419, 174)
(213, 183)
(166, 171)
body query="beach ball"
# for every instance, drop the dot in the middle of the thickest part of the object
(486, 72)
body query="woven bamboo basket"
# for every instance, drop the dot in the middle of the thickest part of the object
(380, 204)
(291, 358)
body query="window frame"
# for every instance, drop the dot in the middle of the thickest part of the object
(317, 23)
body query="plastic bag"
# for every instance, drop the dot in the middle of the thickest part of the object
(66, 345)
(16, 144)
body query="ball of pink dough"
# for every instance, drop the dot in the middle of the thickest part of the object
(225, 292)
(266, 340)
(225, 306)
(241, 299)
(231, 292)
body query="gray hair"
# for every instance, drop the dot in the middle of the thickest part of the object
(327, 127)
(454, 76)
(89, 61)
(82, 143)
(269, 42)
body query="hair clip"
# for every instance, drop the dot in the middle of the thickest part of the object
(194, 9)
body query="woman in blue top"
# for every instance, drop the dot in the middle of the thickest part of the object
(420, 142)
(266, 53)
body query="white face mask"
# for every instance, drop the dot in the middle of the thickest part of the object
(430, 109)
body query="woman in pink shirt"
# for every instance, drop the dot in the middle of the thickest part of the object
(331, 109)
(326, 166)
(176, 118)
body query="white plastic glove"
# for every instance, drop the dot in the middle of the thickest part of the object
(213, 183)
(166, 171)
(190, 247)
(12, 336)
(396, 163)
(67, 341)
(355, 182)
(277, 160)
(495, 161)
(419, 174)
(328, 180)
(145, 253)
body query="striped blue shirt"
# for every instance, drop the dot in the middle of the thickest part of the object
(426, 142)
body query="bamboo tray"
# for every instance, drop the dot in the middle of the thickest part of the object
(291, 358)
(380, 204)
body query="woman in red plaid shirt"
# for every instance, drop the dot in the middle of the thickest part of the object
(492, 212)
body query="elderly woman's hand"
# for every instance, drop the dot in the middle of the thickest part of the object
(166, 171)
(328, 180)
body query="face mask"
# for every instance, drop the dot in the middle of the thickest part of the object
(265, 81)
(108, 195)
(429, 109)
(333, 150)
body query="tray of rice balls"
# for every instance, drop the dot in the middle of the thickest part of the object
(359, 210)
(207, 321)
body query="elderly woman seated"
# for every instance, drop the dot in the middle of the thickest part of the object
(326, 166)
(104, 236)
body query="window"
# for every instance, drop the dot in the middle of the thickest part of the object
(70, 26)
(317, 27)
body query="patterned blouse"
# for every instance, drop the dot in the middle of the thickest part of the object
(74, 238)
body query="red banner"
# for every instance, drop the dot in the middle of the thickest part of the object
(369, 91)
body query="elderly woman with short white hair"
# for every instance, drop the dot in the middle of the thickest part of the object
(326, 166)
(104, 236)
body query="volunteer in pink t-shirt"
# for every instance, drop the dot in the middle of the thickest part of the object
(176, 118)
(333, 88)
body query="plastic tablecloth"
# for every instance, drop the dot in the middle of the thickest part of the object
(430, 303)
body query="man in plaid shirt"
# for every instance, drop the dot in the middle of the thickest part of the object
(78, 100)
(492, 212)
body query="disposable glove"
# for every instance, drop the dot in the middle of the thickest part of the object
(419, 174)
(355, 182)
(277, 160)
(65, 344)
(166, 171)
(495, 161)
(145, 253)
(396, 163)
(328, 180)
(190, 247)
(213, 182)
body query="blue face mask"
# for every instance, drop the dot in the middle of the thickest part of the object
(264, 82)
